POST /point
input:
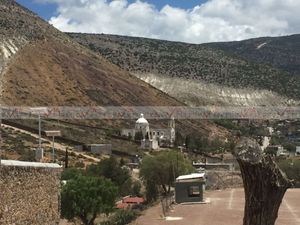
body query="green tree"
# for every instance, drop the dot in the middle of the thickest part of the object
(271, 151)
(151, 191)
(179, 139)
(122, 162)
(136, 188)
(86, 197)
(163, 168)
(190, 142)
(67, 158)
(111, 169)
(290, 147)
(70, 173)
(121, 217)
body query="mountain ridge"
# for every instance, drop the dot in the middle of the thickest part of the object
(195, 63)
(24, 33)
(41, 66)
(282, 52)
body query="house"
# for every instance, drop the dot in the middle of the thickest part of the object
(189, 188)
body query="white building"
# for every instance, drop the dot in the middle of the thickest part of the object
(142, 125)
(152, 138)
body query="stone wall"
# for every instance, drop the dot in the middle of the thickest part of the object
(29, 195)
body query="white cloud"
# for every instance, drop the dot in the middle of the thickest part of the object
(215, 20)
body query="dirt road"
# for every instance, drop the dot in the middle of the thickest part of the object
(57, 146)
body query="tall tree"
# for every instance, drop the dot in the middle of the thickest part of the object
(67, 158)
(86, 197)
(163, 168)
(111, 169)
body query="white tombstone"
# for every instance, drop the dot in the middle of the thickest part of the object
(39, 154)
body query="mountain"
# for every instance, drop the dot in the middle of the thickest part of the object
(280, 52)
(41, 66)
(196, 74)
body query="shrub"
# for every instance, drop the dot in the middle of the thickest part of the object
(70, 173)
(122, 217)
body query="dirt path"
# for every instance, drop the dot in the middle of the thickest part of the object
(57, 146)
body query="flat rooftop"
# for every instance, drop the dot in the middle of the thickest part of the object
(190, 176)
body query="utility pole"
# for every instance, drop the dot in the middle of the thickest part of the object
(40, 142)
(67, 158)
(53, 155)
(53, 133)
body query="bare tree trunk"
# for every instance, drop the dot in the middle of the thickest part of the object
(264, 183)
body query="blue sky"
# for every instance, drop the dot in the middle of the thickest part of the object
(47, 10)
(193, 21)
(44, 10)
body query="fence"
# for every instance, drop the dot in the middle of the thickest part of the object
(166, 203)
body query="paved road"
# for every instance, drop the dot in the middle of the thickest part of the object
(225, 208)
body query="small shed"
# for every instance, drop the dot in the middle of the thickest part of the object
(105, 149)
(189, 188)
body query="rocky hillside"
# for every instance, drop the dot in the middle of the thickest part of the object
(280, 52)
(204, 75)
(41, 66)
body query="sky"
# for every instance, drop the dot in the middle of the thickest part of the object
(193, 21)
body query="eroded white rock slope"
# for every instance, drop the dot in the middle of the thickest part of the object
(198, 93)
(8, 49)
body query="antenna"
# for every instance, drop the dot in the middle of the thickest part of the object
(38, 111)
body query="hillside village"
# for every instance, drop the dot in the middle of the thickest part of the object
(89, 133)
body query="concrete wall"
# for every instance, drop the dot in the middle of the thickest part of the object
(29, 195)
(101, 149)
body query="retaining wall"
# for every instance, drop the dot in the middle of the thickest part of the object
(29, 195)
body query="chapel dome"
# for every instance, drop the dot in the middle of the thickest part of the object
(142, 120)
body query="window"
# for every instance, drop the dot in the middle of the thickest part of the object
(194, 191)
